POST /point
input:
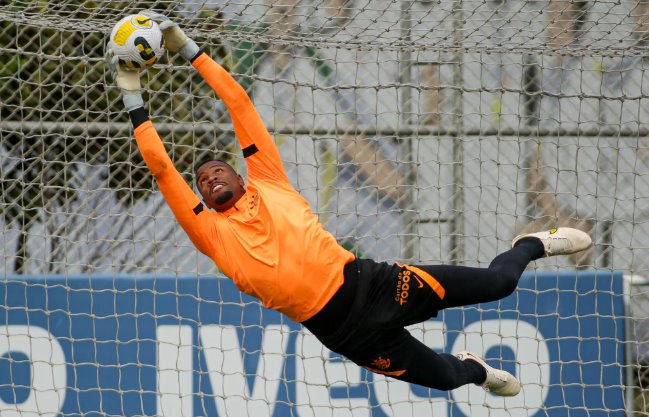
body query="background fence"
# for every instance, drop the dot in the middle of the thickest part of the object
(419, 131)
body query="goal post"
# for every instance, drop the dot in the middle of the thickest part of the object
(419, 131)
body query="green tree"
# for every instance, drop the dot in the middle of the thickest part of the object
(60, 109)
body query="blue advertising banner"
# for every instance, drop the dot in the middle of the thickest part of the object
(181, 346)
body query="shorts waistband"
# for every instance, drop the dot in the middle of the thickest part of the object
(334, 313)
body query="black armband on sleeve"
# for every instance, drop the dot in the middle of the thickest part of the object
(249, 150)
(138, 116)
(198, 209)
(196, 56)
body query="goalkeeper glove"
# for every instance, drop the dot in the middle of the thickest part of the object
(175, 38)
(127, 80)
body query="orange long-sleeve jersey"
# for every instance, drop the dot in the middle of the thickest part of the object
(270, 243)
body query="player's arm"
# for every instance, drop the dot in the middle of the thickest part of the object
(181, 198)
(256, 143)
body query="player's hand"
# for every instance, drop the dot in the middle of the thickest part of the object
(126, 79)
(174, 36)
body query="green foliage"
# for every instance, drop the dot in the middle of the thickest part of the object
(57, 76)
(63, 110)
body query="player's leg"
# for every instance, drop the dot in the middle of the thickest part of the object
(408, 294)
(467, 285)
(397, 354)
(397, 295)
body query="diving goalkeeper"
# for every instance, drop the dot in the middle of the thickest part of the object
(265, 237)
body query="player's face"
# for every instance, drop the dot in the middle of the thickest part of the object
(219, 184)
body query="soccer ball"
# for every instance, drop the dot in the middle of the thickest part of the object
(137, 41)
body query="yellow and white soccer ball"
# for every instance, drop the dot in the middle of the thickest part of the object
(137, 41)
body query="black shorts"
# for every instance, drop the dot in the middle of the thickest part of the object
(365, 320)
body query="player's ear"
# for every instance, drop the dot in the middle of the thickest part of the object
(241, 182)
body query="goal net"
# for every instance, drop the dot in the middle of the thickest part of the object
(419, 131)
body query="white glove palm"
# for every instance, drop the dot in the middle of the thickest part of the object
(127, 80)
(175, 38)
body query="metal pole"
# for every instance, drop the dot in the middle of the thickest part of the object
(403, 131)
(456, 253)
(406, 144)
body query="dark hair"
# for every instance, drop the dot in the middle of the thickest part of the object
(206, 160)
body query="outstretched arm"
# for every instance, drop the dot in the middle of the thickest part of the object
(256, 143)
(181, 199)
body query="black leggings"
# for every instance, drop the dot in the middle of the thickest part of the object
(466, 286)
(385, 298)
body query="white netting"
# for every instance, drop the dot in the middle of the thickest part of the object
(419, 131)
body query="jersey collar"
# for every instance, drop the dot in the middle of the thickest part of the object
(238, 207)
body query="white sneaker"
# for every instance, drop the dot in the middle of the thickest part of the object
(498, 382)
(560, 241)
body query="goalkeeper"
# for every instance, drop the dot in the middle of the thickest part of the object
(265, 237)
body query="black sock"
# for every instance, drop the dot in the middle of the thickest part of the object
(478, 372)
(533, 245)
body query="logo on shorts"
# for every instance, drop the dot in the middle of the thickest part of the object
(403, 284)
(381, 363)
(420, 284)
